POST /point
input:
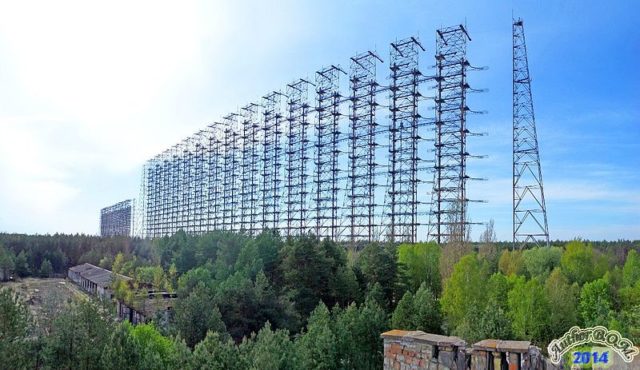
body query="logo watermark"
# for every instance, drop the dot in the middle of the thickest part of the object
(598, 335)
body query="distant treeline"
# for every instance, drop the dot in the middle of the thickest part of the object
(43, 255)
(618, 249)
(24, 255)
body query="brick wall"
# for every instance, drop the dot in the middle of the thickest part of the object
(405, 350)
(416, 350)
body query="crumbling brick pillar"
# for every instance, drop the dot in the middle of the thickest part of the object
(419, 350)
(516, 354)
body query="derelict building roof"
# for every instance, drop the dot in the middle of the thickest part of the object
(97, 275)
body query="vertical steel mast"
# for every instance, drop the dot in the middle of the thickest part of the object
(148, 194)
(362, 148)
(249, 166)
(403, 140)
(448, 220)
(231, 172)
(529, 209)
(326, 154)
(200, 183)
(297, 157)
(271, 178)
(215, 171)
(186, 187)
(165, 190)
(175, 176)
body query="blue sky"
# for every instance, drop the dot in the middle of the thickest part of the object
(89, 91)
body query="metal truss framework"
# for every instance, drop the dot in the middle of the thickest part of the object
(362, 140)
(286, 166)
(198, 211)
(186, 203)
(327, 151)
(529, 209)
(214, 136)
(271, 179)
(116, 220)
(297, 157)
(231, 172)
(250, 162)
(175, 177)
(449, 221)
(403, 140)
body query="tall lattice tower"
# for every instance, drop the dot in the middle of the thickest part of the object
(231, 173)
(297, 157)
(404, 97)
(325, 193)
(271, 174)
(199, 213)
(362, 149)
(249, 170)
(448, 217)
(529, 209)
(215, 172)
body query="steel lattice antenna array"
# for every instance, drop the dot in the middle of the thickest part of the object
(250, 162)
(214, 174)
(529, 210)
(449, 220)
(297, 157)
(231, 171)
(362, 138)
(116, 220)
(326, 152)
(271, 161)
(404, 96)
(199, 190)
(284, 165)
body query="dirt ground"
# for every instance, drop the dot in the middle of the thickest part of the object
(43, 295)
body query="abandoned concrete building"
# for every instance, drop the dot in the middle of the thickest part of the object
(144, 304)
(95, 280)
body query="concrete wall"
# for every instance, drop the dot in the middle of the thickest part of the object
(145, 307)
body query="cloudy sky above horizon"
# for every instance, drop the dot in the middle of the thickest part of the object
(89, 91)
